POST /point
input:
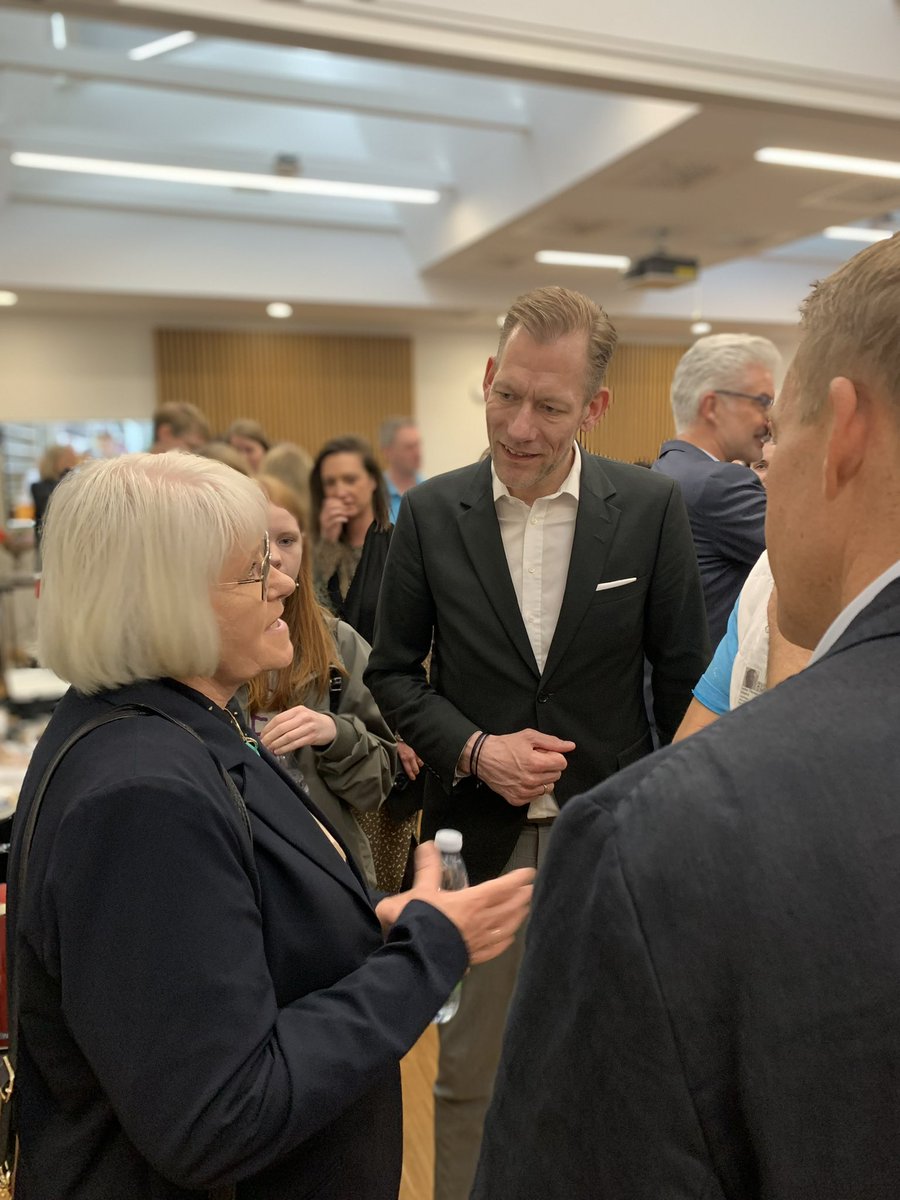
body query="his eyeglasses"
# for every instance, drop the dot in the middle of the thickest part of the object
(764, 400)
(259, 572)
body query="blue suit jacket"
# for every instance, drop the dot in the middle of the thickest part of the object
(726, 505)
(194, 1012)
(709, 1006)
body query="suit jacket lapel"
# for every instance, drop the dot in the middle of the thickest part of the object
(595, 528)
(480, 532)
(286, 810)
(267, 805)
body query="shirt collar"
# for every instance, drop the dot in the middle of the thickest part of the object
(571, 485)
(844, 618)
(392, 487)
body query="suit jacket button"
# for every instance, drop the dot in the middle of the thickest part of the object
(543, 697)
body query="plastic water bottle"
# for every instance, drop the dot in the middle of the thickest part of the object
(453, 879)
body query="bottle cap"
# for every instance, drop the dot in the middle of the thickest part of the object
(448, 841)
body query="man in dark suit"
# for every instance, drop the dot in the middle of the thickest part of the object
(541, 578)
(710, 1000)
(721, 391)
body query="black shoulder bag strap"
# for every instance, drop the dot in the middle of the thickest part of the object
(335, 687)
(8, 1139)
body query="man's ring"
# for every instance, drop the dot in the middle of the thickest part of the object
(497, 935)
(545, 789)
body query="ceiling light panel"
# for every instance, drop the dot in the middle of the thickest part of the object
(58, 33)
(204, 177)
(164, 45)
(814, 160)
(571, 258)
(855, 233)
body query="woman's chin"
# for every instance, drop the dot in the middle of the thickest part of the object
(278, 650)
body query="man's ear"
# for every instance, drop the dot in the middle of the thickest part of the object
(708, 408)
(595, 408)
(850, 429)
(489, 372)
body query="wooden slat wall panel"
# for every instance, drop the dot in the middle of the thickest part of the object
(301, 387)
(639, 416)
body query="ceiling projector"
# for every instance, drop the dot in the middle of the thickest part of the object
(661, 271)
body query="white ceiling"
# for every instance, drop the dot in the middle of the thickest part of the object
(521, 166)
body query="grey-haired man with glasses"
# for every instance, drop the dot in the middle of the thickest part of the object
(721, 393)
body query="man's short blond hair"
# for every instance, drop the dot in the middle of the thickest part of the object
(549, 313)
(132, 547)
(851, 327)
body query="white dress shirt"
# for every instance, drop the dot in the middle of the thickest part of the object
(844, 618)
(538, 544)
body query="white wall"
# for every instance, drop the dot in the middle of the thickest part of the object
(447, 372)
(78, 368)
(72, 368)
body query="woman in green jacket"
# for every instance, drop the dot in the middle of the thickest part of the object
(317, 715)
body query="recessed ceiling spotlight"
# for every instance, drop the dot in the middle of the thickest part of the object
(279, 310)
(854, 233)
(8, 299)
(814, 160)
(571, 258)
(163, 45)
(699, 328)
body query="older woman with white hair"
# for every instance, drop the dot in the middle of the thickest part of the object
(207, 1000)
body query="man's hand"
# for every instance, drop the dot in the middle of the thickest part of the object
(522, 766)
(297, 727)
(486, 915)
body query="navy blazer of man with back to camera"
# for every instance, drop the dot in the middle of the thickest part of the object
(447, 589)
(727, 939)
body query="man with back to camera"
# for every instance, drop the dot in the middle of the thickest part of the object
(401, 449)
(721, 392)
(726, 951)
(541, 576)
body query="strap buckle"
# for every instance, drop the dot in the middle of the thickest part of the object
(6, 1090)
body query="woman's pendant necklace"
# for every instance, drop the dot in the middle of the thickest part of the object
(248, 741)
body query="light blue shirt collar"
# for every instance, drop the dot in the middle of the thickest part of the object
(844, 618)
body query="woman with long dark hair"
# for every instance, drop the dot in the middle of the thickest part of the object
(351, 524)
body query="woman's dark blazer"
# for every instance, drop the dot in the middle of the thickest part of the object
(196, 1012)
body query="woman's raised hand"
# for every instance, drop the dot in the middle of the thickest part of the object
(296, 727)
(332, 519)
(487, 915)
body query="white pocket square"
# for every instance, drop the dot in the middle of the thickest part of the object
(603, 587)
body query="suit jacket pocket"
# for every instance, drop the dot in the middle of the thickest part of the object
(627, 591)
(636, 750)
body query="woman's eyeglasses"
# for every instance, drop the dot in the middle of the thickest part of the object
(259, 572)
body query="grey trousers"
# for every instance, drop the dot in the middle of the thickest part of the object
(470, 1048)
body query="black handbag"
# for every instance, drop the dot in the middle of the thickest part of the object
(8, 1136)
